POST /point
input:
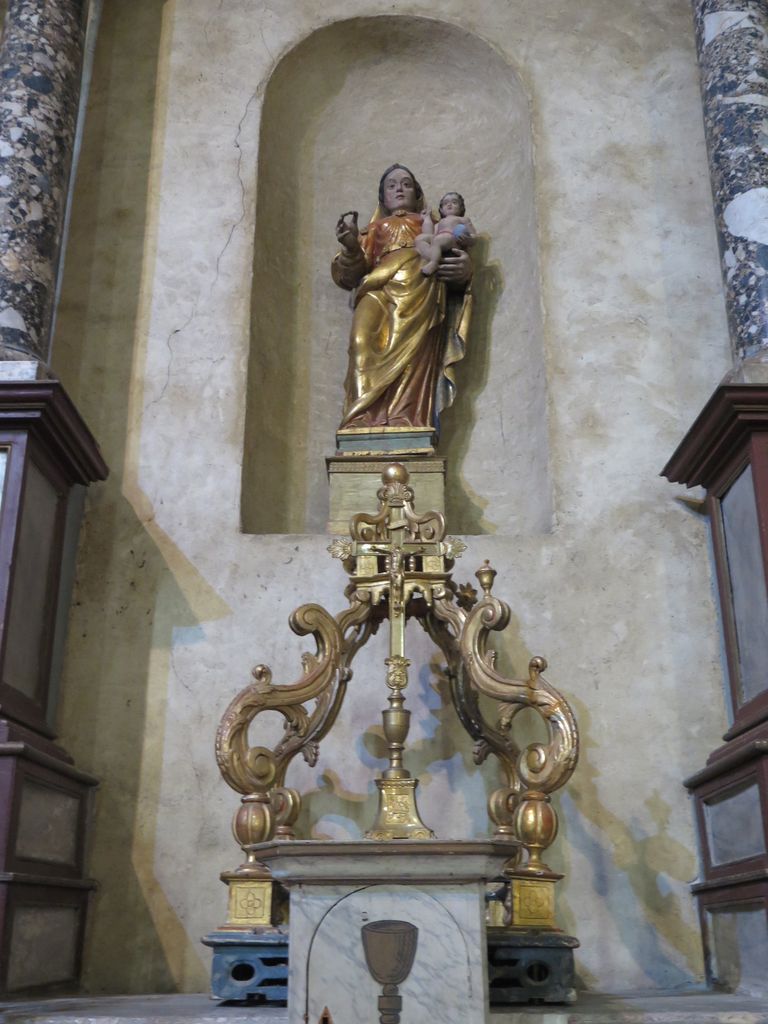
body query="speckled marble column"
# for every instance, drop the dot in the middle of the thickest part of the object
(732, 38)
(41, 61)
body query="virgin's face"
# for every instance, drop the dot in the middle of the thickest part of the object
(399, 190)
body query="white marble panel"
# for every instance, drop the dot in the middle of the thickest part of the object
(309, 905)
(447, 977)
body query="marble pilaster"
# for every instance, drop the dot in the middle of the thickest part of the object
(41, 59)
(732, 40)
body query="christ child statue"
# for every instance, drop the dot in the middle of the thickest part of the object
(452, 231)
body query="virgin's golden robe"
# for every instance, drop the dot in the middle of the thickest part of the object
(403, 342)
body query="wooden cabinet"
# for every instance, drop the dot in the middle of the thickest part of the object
(47, 458)
(726, 452)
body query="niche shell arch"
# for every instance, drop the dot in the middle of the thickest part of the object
(340, 107)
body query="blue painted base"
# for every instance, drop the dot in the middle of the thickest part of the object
(421, 440)
(523, 967)
(249, 966)
(530, 967)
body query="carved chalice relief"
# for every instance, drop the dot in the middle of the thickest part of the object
(390, 947)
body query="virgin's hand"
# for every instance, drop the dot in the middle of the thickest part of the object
(455, 268)
(347, 233)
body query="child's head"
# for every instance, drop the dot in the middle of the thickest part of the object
(458, 204)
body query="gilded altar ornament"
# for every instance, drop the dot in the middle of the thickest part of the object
(400, 565)
(269, 809)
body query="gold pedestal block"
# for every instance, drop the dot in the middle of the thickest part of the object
(398, 816)
(355, 479)
(533, 902)
(252, 903)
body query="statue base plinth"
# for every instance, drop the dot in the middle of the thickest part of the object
(355, 479)
(386, 440)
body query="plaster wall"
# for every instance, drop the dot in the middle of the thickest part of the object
(174, 603)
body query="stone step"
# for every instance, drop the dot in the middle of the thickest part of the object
(636, 1008)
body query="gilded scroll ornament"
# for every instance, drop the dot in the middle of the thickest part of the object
(400, 565)
(268, 807)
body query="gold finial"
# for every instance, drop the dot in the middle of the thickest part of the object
(536, 666)
(486, 575)
(395, 473)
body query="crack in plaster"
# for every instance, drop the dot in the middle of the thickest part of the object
(175, 331)
(185, 686)
(233, 227)
(241, 218)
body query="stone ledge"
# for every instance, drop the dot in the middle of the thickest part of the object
(694, 1007)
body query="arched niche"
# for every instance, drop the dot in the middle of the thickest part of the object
(340, 107)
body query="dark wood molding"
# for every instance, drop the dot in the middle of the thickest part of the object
(719, 435)
(740, 887)
(27, 752)
(44, 409)
(726, 758)
(13, 732)
(20, 878)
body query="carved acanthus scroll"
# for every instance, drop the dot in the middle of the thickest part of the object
(521, 808)
(269, 808)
